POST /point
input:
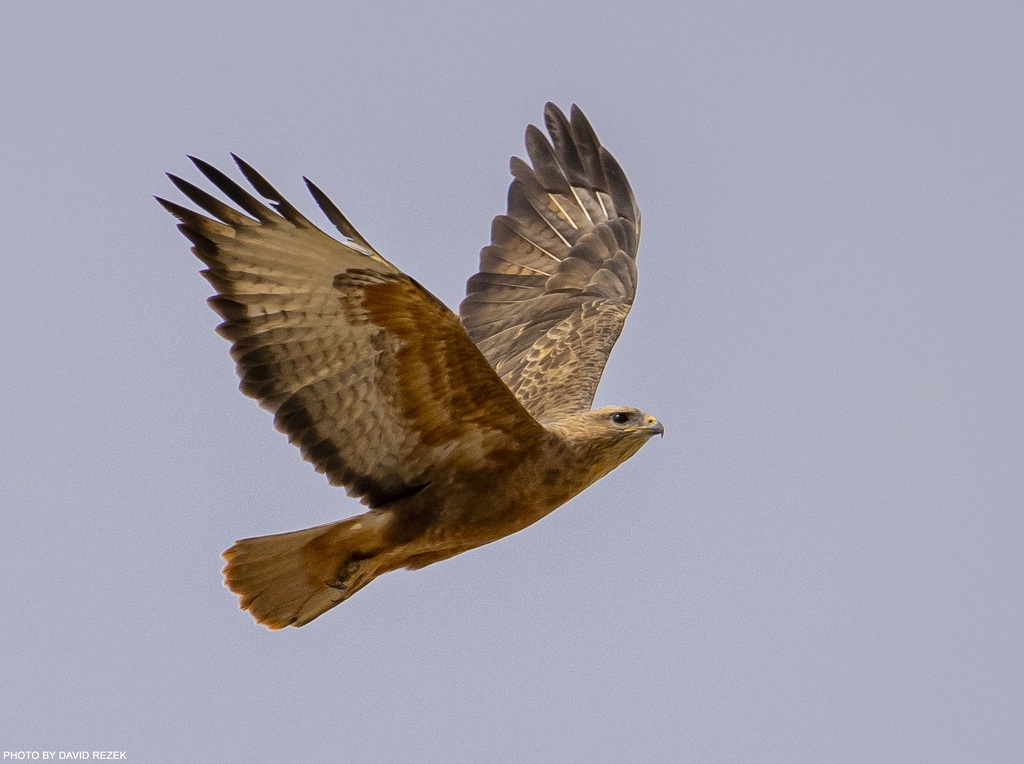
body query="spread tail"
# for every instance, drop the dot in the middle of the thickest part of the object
(288, 579)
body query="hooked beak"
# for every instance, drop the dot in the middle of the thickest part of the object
(654, 427)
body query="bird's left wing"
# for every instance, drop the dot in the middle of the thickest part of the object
(371, 376)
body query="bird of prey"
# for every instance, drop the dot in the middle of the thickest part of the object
(454, 431)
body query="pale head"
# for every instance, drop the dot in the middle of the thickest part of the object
(608, 435)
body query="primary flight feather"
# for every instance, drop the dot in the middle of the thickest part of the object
(454, 432)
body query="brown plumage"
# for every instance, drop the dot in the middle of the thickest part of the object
(453, 433)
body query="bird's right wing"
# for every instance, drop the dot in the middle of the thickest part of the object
(559, 277)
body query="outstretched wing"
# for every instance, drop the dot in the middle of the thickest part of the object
(558, 279)
(372, 377)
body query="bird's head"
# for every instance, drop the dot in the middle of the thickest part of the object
(626, 422)
(611, 434)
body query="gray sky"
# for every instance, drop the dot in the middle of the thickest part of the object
(822, 559)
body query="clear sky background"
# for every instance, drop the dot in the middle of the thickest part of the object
(823, 560)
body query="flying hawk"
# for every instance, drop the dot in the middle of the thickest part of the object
(453, 430)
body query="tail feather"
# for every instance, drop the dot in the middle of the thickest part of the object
(288, 579)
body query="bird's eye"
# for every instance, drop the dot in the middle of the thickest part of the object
(620, 417)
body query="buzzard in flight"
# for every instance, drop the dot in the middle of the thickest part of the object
(453, 430)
